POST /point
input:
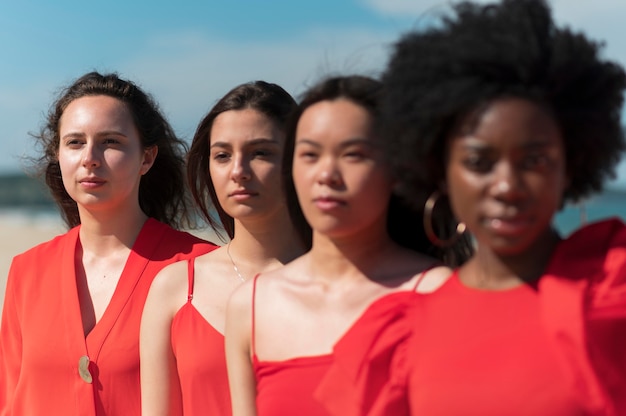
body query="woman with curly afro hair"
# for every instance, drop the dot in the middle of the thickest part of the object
(502, 116)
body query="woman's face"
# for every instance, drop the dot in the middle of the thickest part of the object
(100, 153)
(246, 150)
(507, 177)
(342, 182)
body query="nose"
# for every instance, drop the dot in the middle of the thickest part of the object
(329, 174)
(240, 169)
(91, 156)
(507, 183)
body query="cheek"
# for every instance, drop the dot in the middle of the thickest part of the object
(268, 171)
(371, 188)
(462, 191)
(550, 190)
(219, 180)
(67, 161)
(301, 180)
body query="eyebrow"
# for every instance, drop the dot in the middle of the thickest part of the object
(252, 142)
(76, 134)
(477, 144)
(343, 144)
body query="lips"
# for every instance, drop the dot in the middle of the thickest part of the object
(92, 182)
(327, 203)
(242, 194)
(512, 225)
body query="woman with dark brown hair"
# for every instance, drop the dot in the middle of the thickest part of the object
(235, 166)
(69, 340)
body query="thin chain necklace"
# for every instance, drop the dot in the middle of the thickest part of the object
(233, 262)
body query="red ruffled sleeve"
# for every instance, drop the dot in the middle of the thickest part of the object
(587, 279)
(368, 375)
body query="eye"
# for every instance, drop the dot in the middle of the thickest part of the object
(73, 142)
(535, 161)
(478, 163)
(221, 157)
(263, 153)
(355, 155)
(111, 140)
(358, 152)
(307, 155)
(306, 152)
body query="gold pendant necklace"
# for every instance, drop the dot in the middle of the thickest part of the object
(233, 262)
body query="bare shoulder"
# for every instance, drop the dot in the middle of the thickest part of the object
(269, 287)
(427, 272)
(240, 300)
(433, 278)
(283, 274)
(170, 286)
(171, 277)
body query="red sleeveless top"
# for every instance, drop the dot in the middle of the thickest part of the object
(200, 360)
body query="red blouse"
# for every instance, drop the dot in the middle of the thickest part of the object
(47, 365)
(555, 348)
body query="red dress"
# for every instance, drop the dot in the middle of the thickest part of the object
(200, 360)
(556, 348)
(42, 343)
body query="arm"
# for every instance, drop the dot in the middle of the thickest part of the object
(160, 388)
(238, 332)
(10, 345)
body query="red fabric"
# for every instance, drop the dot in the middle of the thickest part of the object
(555, 349)
(368, 374)
(319, 385)
(41, 337)
(285, 388)
(491, 353)
(201, 361)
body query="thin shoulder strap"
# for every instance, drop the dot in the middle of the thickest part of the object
(422, 275)
(190, 271)
(252, 341)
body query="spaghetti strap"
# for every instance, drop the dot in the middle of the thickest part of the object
(422, 275)
(190, 276)
(252, 343)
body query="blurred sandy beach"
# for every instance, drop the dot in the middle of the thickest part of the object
(20, 231)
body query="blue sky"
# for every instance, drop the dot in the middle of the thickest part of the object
(189, 53)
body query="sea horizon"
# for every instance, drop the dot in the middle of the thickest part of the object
(609, 203)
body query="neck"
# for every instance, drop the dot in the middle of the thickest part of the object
(101, 231)
(349, 257)
(490, 270)
(262, 244)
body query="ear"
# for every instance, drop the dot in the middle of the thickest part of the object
(149, 156)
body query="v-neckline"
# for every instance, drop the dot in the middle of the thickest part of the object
(131, 273)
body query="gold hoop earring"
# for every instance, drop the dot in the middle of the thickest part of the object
(428, 224)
